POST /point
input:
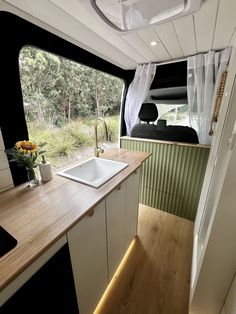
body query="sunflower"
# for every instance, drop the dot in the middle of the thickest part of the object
(26, 147)
(25, 153)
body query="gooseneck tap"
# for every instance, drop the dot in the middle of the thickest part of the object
(98, 149)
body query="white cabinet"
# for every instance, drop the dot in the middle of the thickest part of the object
(98, 243)
(132, 203)
(122, 217)
(116, 227)
(88, 251)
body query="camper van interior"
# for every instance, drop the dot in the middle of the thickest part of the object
(144, 222)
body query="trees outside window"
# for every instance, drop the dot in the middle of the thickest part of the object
(61, 100)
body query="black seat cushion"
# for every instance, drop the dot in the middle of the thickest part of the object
(171, 133)
(144, 131)
(179, 133)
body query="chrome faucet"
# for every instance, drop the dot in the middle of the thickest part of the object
(98, 149)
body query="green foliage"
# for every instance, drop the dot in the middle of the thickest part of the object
(113, 128)
(57, 90)
(62, 99)
(65, 141)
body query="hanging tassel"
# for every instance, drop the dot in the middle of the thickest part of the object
(219, 96)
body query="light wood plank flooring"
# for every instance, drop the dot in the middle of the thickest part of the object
(155, 276)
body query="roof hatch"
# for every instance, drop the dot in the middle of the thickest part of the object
(128, 15)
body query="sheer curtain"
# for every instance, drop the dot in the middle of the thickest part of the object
(203, 76)
(137, 92)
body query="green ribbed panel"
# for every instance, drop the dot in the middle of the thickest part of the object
(172, 177)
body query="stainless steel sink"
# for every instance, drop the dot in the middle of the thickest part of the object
(93, 172)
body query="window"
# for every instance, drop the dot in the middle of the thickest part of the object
(169, 92)
(174, 114)
(62, 100)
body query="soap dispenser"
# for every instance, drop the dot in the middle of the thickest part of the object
(45, 170)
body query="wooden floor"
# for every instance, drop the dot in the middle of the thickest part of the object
(154, 278)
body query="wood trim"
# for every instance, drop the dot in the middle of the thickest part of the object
(164, 142)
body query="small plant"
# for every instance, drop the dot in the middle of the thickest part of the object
(25, 154)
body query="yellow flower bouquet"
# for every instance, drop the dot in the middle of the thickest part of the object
(25, 154)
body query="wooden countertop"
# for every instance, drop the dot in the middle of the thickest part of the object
(38, 217)
(164, 142)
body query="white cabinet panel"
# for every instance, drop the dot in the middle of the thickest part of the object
(98, 243)
(116, 227)
(1, 142)
(5, 179)
(132, 204)
(87, 244)
(3, 161)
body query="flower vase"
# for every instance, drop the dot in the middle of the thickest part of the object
(32, 178)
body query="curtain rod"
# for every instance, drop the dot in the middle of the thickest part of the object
(171, 61)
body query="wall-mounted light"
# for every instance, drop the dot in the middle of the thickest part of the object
(153, 43)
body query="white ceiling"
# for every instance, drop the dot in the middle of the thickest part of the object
(213, 27)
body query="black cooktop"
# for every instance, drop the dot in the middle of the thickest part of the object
(7, 241)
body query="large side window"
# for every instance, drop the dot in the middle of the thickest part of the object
(62, 99)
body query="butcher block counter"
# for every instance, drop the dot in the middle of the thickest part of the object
(38, 217)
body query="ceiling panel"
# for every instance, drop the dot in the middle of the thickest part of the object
(225, 24)
(149, 35)
(205, 20)
(77, 32)
(167, 34)
(210, 28)
(184, 28)
(92, 21)
(136, 42)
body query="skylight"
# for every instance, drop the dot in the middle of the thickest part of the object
(126, 15)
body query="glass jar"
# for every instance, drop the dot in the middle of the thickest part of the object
(32, 178)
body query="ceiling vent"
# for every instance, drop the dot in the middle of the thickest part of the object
(128, 15)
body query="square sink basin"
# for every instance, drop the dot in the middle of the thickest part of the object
(94, 171)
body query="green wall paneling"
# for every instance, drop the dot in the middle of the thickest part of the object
(172, 177)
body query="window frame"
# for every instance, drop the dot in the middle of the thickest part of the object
(22, 33)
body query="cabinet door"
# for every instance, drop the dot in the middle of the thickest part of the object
(116, 227)
(132, 204)
(87, 244)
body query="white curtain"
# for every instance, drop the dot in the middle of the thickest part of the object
(203, 77)
(137, 92)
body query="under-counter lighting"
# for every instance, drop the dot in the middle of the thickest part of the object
(153, 43)
(105, 298)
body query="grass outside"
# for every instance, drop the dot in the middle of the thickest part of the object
(73, 140)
